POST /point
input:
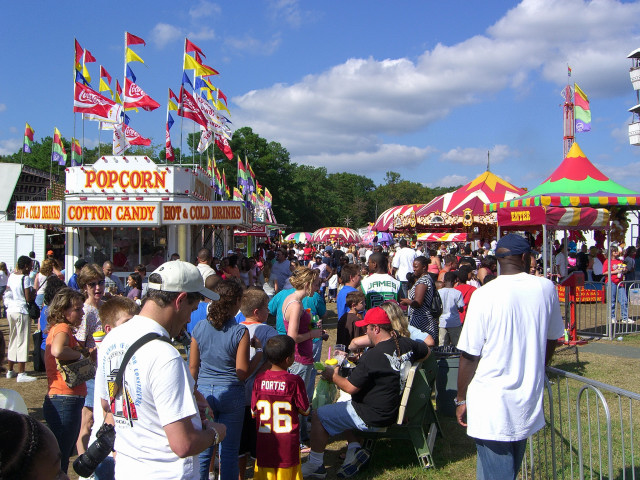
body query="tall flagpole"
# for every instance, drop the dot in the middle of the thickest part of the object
(51, 159)
(193, 92)
(180, 106)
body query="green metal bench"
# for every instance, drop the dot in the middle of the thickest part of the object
(417, 419)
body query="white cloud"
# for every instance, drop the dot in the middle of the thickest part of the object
(10, 146)
(252, 45)
(205, 33)
(384, 157)
(348, 110)
(289, 11)
(3, 107)
(13, 129)
(204, 9)
(478, 156)
(163, 34)
(449, 181)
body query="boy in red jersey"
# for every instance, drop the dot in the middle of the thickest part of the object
(278, 397)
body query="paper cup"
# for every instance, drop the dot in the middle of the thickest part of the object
(97, 337)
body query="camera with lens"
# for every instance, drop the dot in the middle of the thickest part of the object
(87, 463)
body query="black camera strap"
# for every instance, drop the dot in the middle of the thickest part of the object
(129, 353)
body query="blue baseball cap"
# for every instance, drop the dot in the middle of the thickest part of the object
(515, 244)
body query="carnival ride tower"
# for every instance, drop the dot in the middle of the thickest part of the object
(569, 124)
(634, 76)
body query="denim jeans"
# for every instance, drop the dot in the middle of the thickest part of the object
(227, 404)
(63, 414)
(306, 373)
(619, 294)
(106, 469)
(499, 460)
(404, 288)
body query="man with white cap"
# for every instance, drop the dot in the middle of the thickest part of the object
(509, 335)
(159, 428)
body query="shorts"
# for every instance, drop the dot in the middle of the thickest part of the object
(265, 473)
(249, 435)
(339, 417)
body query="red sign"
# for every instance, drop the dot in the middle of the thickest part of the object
(523, 216)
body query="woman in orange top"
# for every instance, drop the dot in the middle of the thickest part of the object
(62, 406)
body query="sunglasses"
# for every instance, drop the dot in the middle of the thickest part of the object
(95, 284)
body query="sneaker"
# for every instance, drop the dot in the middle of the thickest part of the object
(354, 462)
(629, 320)
(309, 470)
(24, 378)
(11, 374)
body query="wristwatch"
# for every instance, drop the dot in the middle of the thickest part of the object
(459, 402)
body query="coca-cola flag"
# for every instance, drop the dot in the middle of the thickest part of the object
(134, 138)
(223, 145)
(135, 97)
(189, 108)
(86, 100)
(169, 154)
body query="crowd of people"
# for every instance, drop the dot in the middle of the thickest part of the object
(246, 388)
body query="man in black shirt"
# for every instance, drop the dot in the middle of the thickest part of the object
(375, 386)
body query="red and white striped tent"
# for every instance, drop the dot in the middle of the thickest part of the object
(336, 234)
(393, 216)
(466, 205)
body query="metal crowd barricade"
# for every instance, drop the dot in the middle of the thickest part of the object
(591, 308)
(593, 311)
(589, 432)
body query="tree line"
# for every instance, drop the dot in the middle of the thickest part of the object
(305, 197)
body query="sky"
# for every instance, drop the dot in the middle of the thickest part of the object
(422, 88)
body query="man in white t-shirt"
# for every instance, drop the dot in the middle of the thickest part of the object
(562, 264)
(280, 270)
(403, 264)
(160, 426)
(509, 335)
(204, 264)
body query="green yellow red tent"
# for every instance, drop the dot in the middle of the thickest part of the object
(575, 183)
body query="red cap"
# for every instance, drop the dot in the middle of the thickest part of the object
(374, 316)
(50, 252)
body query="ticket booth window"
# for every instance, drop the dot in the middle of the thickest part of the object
(98, 244)
(153, 247)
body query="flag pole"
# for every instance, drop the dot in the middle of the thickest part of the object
(180, 106)
(124, 90)
(22, 151)
(193, 91)
(51, 158)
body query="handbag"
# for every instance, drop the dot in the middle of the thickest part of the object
(38, 353)
(77, 372)
(33, 310)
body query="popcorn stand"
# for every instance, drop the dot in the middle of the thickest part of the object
(130, 211)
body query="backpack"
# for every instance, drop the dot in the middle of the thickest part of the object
(435, 307)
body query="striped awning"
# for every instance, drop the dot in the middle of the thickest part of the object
(442, 237)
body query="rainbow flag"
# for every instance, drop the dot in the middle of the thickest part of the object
(237, 196)
(243, 176)
(582, 110)
(28, 138)
(58, 153)
(76, 152)
(267, 198)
